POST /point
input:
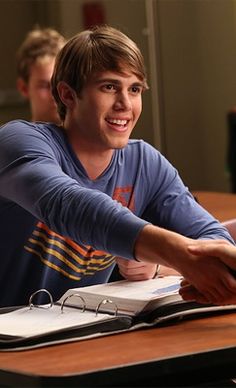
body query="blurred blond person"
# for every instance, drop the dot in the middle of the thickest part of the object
(35, 64)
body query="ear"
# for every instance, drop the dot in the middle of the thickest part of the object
(66, 94)
(22, 87)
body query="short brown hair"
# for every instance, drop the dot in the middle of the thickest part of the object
(38, 43)
(102, 48)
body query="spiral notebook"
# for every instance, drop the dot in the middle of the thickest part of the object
(98, 310)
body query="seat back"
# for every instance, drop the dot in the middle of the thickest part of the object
(231, 226)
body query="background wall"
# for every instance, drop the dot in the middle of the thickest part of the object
(197, 42)
(190, 52)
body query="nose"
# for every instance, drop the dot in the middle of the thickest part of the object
(123, 101)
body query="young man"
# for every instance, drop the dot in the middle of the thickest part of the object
(75, 196)
(35, 64)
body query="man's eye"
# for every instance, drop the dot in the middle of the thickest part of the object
(109, 87)
(136, 89)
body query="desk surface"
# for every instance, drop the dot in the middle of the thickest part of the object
(221, 205)
(179, 351)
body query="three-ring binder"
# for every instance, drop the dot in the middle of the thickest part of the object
(63, 303)
(64, 320)
(76, 295)
(31, 305)
(104, 301)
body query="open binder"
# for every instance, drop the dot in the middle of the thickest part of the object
(93, 311)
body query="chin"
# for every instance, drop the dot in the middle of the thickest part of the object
(120, 144)
(55, 120)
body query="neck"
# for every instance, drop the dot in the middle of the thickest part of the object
(94, 164)
(94, 160)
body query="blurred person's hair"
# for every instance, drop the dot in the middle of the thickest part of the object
(38, 45)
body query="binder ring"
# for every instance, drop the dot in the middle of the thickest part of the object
(31, 305)
(105, 301)
(69, 296)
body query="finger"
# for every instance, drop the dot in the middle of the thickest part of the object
(184, 282)
(139, 273)
(189, 293)
(224, 252)
(194, 294)
(167, 271)
(135, 276)
(132, 269)
(122, 262)
(230, 283)
(219, 294)
(125, 262)
(214, 248)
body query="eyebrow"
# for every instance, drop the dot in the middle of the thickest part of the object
(118, 82)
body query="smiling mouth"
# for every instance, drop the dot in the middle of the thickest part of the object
(117, 121)
(118, 124)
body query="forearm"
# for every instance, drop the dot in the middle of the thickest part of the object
(158, 245)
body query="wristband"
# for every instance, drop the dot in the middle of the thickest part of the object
(157, 272)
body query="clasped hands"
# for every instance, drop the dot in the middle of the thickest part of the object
(206, 266)
(220, 259)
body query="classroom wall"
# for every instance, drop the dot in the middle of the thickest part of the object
(190, 51)
(198, 62)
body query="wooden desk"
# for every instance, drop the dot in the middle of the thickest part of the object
(185, 353)
(221, 205)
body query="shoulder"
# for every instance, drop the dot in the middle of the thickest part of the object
(11, 126)
(149, 160)
(145, 151)
(23, 125)
(139, 145)
(23, 137)
(20, 129)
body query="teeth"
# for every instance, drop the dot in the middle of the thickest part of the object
(119, 122)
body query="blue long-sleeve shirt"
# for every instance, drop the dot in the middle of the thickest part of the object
(59, 229)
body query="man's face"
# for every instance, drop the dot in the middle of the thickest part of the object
(38, 92)
(107, 110)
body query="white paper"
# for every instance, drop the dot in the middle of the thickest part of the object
(27, 322)
(129, 297)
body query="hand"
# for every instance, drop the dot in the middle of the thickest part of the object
(167, 271)
(207, 275)
(218, 249)
(136, 270)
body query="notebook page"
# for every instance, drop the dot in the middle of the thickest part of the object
(135, 290)
(27, 322)
(131, 297)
